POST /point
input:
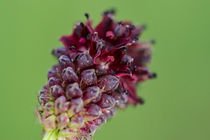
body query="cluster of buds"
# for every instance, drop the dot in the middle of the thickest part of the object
(97, 73)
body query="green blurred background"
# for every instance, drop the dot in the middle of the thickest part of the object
(177, 102)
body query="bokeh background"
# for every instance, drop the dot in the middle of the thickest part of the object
(177, 102)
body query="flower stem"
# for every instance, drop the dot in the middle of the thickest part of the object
(50, 135)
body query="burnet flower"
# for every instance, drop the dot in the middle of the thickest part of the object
(97, 72)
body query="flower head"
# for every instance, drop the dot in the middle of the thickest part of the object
(97, 73)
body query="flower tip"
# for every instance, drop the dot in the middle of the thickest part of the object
(110, 11)
(141, 101)
(87, 15)
(153, 75)
(153, 41)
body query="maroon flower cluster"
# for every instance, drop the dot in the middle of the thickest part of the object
(97, 73)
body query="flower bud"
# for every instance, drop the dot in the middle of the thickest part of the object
(100, 120)
(93, 112)
(84, 61)
(76, 121)
(62, 120)
(76, 106)
(69, 75)
(52, 73)
(65, 61)
(109, 113)
(44, 97)
(88, 77)
(60, 104)
(59, 51)
(106, 101)
(73, 91)
(92, 94)
(50, 122)
(57, 91)
(121, 99)
(108, 83)
(49, 108)
(54, 81)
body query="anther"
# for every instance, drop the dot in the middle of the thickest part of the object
(144, 27)
(99, 44)
(152, 41)
(153, 75)
(120, 22)
(72, 47)
(127, 27)
(112, 11)
(123, 48)
(88, 36)
(112, 72)
(134, 68)
(82, 24)
(87, 15)
(132, 26)
(135, 38)
(95, 36)
(126, 92)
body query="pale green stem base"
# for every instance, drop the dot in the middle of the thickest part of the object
(51, 135)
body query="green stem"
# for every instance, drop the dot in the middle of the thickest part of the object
(51, 135)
